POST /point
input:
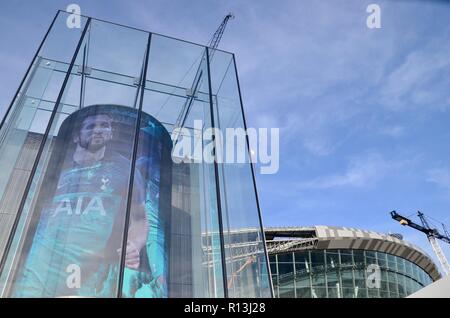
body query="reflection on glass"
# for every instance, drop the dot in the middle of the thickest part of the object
(147, 260)
(237, 185)
(81, 210)
(21, 133)
(327, 277)
(66, 153)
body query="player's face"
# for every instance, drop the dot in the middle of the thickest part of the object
(95, 132)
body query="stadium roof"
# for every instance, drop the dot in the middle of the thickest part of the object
(288, 239)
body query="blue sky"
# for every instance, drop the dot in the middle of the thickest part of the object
(363, 113)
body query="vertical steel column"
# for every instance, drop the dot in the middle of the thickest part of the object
(28, 71)
(254, 181)
(294, 274)
(41, 149)
(325, 271)
(85, 63)
(354, 267)
(133, 167)
(227, 217)
(278, 275)
(365, 274)
(339, 275)
(83, 80)
(216, 174)
(140, 85)
(310, 273)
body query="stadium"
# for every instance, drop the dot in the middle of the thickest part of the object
(342, 262)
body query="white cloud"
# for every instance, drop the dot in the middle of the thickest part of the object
(393, 131)
(362, 171)
(310, 77)
(325, 128)
(422, 79)
(440, 177)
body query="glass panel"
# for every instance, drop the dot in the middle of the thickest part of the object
(371, 258)
(422, 276)
(409, 286)
(102, 92)
(425, 278)
(72, 230)
(393, 284)
(318, 280)
(416, 272)
(303, 281)
(195, 255)
(382, 259)
(273, 268)
(392, 262)
(360, 284)
(276, 291)
(317, 261)
(239, 203)
(348, 292)
(373, 293)
(417, 286)
(174, 62)
(401, 285)
(319, 292)
(21, 134)
(409, 268)
(74, 225)
(148, 244)
(359, 258)
(116, 49)
(332, 260)
(346, 258)
(287, 289)
(347, 278)
(361, 292)
(287, 292)
(384, 293)
(304, 292)
(275, 281)
(285, 264)
(334, 285)
(285, 258)
(401, 265)
(384, 288)
(285, 269)
(302, 263)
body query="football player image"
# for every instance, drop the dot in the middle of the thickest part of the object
(77, 245)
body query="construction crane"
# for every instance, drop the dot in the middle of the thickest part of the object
(197, 82)
(214, 42)
(431, 233)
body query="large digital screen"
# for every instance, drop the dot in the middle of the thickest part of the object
(73, 244)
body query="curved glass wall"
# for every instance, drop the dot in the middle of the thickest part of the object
(95, 201)
(345, 274)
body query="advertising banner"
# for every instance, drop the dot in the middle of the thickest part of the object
(73, 244)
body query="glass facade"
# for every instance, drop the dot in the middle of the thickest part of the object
(94, 199)
(345, 274)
